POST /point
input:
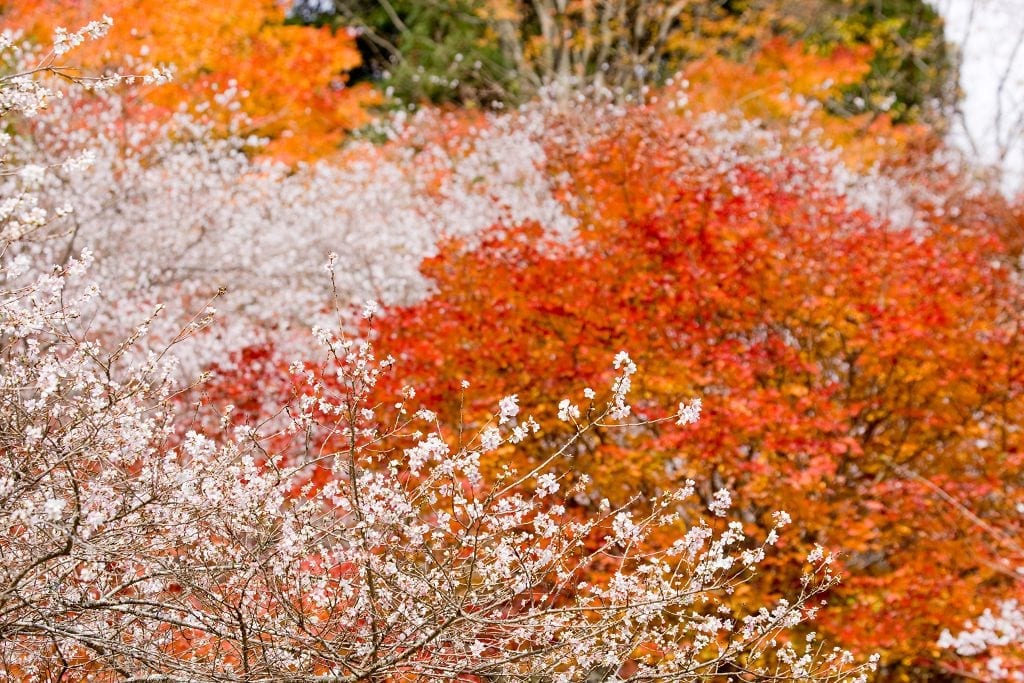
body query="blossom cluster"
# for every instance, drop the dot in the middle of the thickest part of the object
(986, 640)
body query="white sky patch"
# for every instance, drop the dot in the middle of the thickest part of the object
(990, 36)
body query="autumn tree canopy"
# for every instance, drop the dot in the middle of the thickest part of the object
(291, 80)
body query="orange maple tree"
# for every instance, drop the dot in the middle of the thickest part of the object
(786, 81)
(290, 80)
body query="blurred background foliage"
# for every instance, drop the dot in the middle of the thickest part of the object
(487, 52)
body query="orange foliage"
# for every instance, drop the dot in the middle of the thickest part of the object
(782, 78)
(779, 77)
(292, 79)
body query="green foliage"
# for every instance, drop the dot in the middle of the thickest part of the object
(913, 75)
(436, 51)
